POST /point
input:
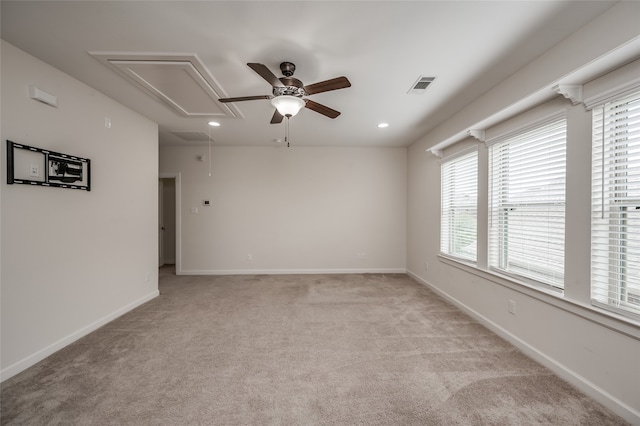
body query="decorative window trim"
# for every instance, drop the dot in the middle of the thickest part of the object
(612, 85)
(462, 152)
(573, 92)
(611, 94)
(531, 125)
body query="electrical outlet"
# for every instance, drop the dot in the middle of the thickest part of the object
(249, 257)
(361, 255)
(512, 307)
(34, 170)
(147, 276)
(426, 266)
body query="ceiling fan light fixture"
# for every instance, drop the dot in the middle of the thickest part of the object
(287, 105)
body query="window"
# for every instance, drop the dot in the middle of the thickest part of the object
(615, 220)
(527, 173)
(458, 217)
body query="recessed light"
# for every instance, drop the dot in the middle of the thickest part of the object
(383, 125)
(214, 124)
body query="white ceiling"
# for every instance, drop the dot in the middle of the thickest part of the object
(382, 47)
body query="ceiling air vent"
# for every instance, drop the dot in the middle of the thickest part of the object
(192, 136)
(421, 85)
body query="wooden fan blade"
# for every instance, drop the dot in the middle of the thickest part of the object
(265, 73)
(245, 98)
(277, 117)
(325, 86)
(324, 110)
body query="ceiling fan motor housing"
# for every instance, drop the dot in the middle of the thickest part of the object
(292, 87)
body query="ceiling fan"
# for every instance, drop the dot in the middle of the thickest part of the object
(288, 92)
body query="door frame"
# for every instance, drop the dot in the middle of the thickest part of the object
(177, 179)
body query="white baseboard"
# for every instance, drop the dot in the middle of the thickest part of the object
(288, 271)
(603, 397)
(27, 362)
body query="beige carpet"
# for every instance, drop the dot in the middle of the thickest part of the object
(296, 350)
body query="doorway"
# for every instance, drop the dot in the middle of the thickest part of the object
(168, 222)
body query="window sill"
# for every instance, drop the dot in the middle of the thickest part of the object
(610, 320)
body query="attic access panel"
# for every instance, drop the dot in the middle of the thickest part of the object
(181, 82)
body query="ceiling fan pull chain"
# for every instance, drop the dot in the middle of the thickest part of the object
(286, 132)
(209, 151)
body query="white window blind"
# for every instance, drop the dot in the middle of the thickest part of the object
(615, 223)
(527, 174)
(459, 205)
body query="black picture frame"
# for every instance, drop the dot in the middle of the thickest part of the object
(29, 165)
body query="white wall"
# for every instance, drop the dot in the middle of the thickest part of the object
(597, 352)
(72, 260)
(281, 210)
